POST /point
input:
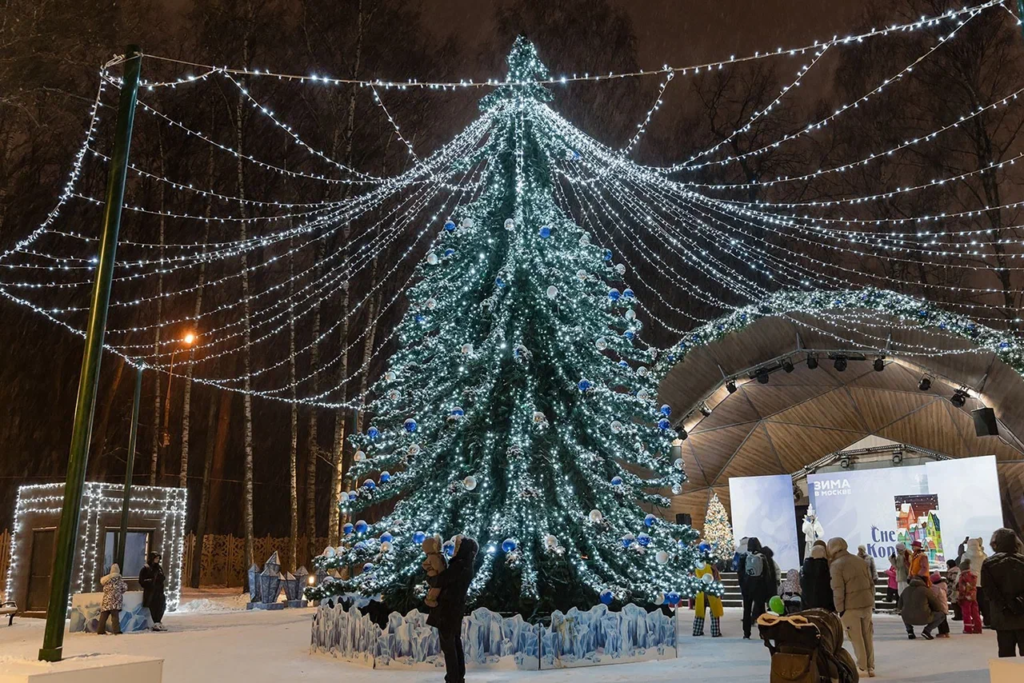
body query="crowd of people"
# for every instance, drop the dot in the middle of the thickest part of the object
(984, 591)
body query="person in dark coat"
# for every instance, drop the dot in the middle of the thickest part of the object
(1003, 574)
(816, 581)
(755, 587)
(151, 578)
(451, 606)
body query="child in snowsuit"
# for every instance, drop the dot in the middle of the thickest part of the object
(791, 592)
(706, 601)
(434, 565)
(891, 593)
(939, 588)
(114, 589)
(952, 578)
(967, 592)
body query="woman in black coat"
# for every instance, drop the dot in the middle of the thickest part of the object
(151, 578)
(816, 581)
(451, 606)
(1003, 576)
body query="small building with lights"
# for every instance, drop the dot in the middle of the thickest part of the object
(156, 522)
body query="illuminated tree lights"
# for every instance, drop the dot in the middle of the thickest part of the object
(717, 530)
(519, 408)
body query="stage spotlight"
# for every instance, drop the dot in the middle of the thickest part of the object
(840, 364)
(812, 362)
(959, 397)
(925, 384)
(731, 386)
(705, 410)
(879, 364)
(762, 376)
(845, 463)
(897, 457)
(681, 433)
(787, 365)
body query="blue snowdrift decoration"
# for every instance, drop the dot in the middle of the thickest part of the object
(577, 638)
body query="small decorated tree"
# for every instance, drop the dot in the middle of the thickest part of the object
(717, 529)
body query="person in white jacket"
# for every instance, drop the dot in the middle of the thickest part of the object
(975, 554)
(812, 530)
(114, 588)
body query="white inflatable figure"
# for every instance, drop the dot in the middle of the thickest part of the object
(812, 530)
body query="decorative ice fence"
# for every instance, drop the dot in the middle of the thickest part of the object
(579, 638)
(85, 613)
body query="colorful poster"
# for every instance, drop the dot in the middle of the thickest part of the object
(917, 519)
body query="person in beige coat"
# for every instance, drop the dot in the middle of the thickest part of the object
(853, 590)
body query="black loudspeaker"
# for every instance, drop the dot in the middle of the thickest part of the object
(684, 518)
(985, 422)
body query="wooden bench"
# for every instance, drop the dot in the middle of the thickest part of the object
(8, 608)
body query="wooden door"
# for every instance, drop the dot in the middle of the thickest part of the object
(40, 569)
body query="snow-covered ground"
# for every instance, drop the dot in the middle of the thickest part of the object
(228, 644)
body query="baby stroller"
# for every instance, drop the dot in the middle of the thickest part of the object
(807, 648)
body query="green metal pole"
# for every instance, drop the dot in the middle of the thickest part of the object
(132, 437)
(67, 530)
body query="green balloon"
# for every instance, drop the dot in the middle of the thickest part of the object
(776, 605)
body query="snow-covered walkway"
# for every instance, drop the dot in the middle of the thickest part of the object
(274, 646)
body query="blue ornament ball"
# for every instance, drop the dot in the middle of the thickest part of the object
(385, 477)
(614, 294)
(704, 547)
(664, 424)
(352, 495)
(361, 526)
(650, 520)
(457, 411)
(347, 529)
(370, 484)
(386, 537)
(628, 293)
(616, 480)
(627, 540)
(607, 597)
(607, 254)
(643, 539)
(449, 226)
(508, 545)
(448, 252)
(498, 281)
(359, 546)
(584, 385)
(368, 567)
(629, 334)
(545, 232)
(410, 425)
(673, 598)
(373, 433)
(666, 410)
(419, 537)
(623, 364)
(448, 548)
(682, 544)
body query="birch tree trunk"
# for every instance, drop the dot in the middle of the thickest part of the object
(293, 454)
(204, 492)
(157, 393)
(312, 444)
(187, 400)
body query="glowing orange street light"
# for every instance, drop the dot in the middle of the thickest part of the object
(187, 341)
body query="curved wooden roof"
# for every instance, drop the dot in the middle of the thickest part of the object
(799, 417)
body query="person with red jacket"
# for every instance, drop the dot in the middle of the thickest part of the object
(967, 594)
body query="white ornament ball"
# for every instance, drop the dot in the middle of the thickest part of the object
(676, 489)
(413, 449)
(432, 259)
(393, 395)
(550, 541)
(581, 274)
(616, 426)
(661, 557)
(641, 371)
(390, 376)
(539, 417)
(431, 303)
(630, 314)
(678, 463)
(659, 599)
(552, 292)
(601, 343)
(510, 224)
(467, 222)
(596, 517)
(469, 482)
(643, 394)
(385, 546)
(467, 349)
(359, 456)
(707, 578)
(620, 269)
(584, 239)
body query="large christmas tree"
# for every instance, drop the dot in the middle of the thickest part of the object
(518, 409)
(717, 530)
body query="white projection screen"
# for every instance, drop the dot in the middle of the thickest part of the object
(968, 490)
(763, 507)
